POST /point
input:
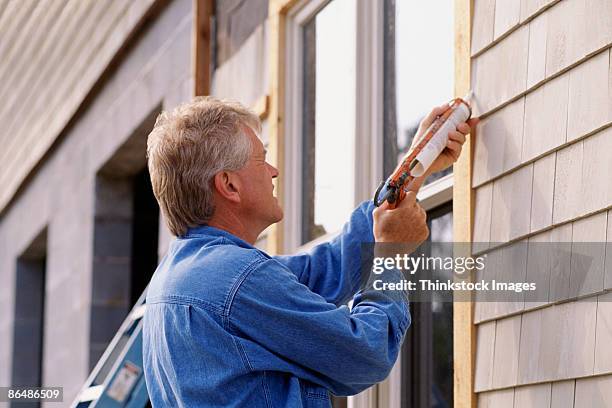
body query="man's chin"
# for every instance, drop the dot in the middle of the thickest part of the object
(279, 215)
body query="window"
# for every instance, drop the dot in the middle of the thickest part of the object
(333, 120)
(354, 94)
(328, 125)
(332, 116)
(419, 48)
(427, 352)
(419, 70)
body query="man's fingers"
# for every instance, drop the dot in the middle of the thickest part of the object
(410, 198)
(381, 209)
(384, 205)
(422, 212)
(454, 146)
(431, 116)
(440, 109)
(464, 128)
(457, 137)
(473, 122)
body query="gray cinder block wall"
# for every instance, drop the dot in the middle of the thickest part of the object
(60, 197)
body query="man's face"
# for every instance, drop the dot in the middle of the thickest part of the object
(257, 189)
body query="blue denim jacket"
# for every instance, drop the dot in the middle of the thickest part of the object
(229, 326)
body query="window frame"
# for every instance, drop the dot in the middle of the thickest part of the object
(369, 127)
(368, 112)
(433, 195)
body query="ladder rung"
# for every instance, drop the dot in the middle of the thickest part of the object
(91, 393)
(138, 312)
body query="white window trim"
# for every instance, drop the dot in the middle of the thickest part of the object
(430, 196)
(436, 193)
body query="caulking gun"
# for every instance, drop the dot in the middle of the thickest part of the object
(423, 153)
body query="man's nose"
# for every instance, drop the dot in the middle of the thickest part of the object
(273, 171)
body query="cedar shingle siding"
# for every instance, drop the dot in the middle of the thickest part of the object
(543, 81)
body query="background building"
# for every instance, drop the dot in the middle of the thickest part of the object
(341, 86)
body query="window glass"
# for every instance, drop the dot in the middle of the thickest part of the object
(419, 70)
(328, 119)
(418, 75)
(427, 352)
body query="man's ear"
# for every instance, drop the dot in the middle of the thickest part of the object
(227, 185)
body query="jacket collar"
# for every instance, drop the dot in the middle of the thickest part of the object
(205, 231)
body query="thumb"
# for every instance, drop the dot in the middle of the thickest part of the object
(381, 208)
(384, 205)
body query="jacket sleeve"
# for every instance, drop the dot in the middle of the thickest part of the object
(333, 269)
(282, 325)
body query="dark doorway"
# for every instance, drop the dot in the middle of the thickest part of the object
(126, 229)
(145, 234)
(28, 335)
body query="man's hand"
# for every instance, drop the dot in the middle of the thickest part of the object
(406, 223)
(456, 139)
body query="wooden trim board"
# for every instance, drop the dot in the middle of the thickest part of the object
(277, 12)
(203, 10)
(464, 334)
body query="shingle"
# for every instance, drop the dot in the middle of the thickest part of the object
(597, 171)
(499, 142)
(501, 399)
(482, 24)
(603, 335)
(588, 251)
(565, 40)
(599, 27)
(539, 265)
(545, 117)
(507, 15)
(588, 96)
(549, 355)
(530, 7)
(505, 362)
(530, 347)
(507, 60)
(563, 394)
(608, 263)
(532, 396)
(561, 251)
(482, 217)
(485, 307)
(513, 268)
(485, 347)
(577, 325)
(568, 202)
(594, 392)
(542, 194)
(512, 205)
(536, 65)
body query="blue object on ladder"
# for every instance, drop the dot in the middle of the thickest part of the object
(117, 380)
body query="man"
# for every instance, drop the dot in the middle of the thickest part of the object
(227, 324)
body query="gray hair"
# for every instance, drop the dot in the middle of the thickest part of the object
(187, 147)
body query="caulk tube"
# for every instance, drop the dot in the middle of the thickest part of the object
(460, 113)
